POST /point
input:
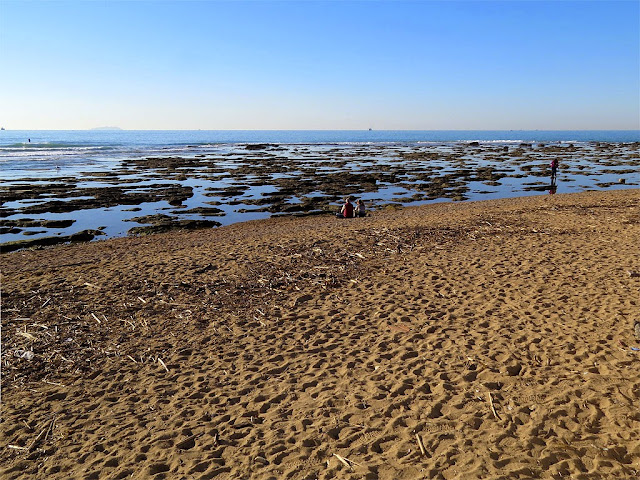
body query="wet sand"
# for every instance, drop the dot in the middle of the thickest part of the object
(462, 340)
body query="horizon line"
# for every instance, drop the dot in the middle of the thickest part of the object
(117, 129)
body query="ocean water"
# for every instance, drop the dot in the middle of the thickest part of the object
(240, 181)
(24, 149)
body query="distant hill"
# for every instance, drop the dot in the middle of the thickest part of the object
(106, 128)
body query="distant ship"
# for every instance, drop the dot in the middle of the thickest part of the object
(2, 128)
(369, 129)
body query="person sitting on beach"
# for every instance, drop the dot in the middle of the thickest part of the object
(360, 209)
(347, 209)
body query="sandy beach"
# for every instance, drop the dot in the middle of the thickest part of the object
(461, 340)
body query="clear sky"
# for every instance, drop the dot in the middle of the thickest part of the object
(419, 65)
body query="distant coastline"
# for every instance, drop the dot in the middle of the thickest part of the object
(107, 128)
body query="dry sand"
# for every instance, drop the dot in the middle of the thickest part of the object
(475, 340)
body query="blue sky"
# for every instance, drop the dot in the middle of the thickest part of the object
(320, 65)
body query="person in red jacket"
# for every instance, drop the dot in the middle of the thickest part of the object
(554, 170)
(347, 209)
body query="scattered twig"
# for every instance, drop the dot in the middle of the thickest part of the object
(163, 364)
(28, 336)
(51, 426)
(421, 445)
(344, 461)
(45, 432)
(54, 383)
(39, 325)
(493, 409)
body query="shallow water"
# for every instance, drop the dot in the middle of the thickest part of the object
(247, 184)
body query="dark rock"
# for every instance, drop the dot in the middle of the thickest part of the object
(176, 225)
(258, 146)
(85, 235)
(153, 219)
(207, 211)
(57, 223)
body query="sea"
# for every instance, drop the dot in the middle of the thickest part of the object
(42, 157)
(38, 150)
